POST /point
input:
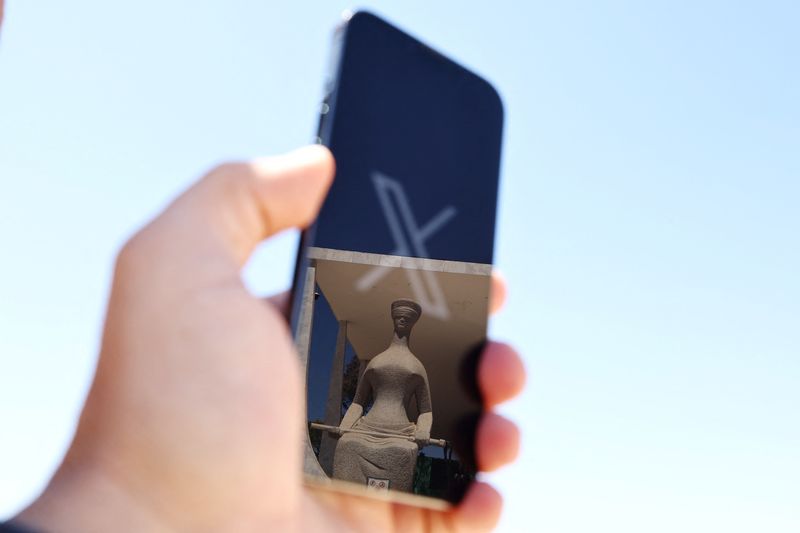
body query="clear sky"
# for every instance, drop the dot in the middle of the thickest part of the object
(648, 225)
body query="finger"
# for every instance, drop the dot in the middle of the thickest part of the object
(237, 205)
(497, 442)
(478, 511)
(497, 292)
(290, 188)
(501, 374)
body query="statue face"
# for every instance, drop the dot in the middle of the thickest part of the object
(404, 320)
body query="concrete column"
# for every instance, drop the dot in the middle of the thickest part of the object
(333, 407)
(303, 343)
(306, 320)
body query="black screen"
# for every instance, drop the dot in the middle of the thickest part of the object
(404, 112)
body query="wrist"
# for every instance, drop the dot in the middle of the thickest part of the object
(84, 498)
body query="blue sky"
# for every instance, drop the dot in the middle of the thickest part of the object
(648, 225)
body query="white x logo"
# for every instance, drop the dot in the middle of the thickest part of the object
(424, 285)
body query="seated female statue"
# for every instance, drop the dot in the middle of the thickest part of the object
(381, 450)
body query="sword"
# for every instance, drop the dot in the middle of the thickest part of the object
(338, 431)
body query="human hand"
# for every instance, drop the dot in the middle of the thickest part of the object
(194, 418)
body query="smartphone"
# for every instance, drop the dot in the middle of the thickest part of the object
(391, 290)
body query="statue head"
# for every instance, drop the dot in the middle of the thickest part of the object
(405, 314)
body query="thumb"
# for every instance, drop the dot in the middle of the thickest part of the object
(220, 219)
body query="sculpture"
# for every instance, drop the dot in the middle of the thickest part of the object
(379, 449)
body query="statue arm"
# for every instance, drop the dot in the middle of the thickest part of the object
(424, 423)
(356, 408)
(351, 416)
(425, 418)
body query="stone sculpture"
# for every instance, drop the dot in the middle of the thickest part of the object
(380, 449)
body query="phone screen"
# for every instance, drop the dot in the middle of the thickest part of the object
(391, 292)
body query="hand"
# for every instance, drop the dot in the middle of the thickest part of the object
(422, 438)
(194, 418)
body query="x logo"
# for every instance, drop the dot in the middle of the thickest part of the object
(399, 216)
